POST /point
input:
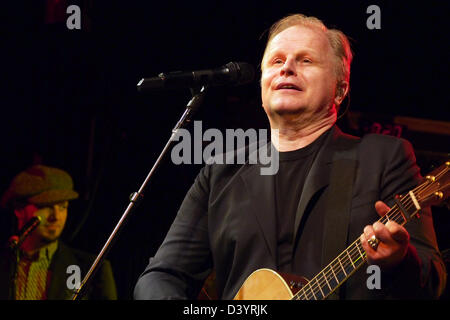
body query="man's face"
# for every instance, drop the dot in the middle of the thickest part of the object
(298, 74)
(53, 220)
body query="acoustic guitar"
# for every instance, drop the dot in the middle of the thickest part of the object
(266, 284)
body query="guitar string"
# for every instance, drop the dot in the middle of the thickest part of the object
(396, 213)
(315, 288)
(360, 253)
(341, 264)
(355, 252)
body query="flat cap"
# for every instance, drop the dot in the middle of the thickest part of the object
(39, 185)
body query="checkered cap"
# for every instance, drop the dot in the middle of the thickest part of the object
(39, 185)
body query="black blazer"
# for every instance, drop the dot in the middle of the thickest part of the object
(227, 222)
(103, 286)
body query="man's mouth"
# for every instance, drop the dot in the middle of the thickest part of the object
(288, 86)
(52, 226)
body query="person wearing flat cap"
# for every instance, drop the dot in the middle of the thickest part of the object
(41, 266)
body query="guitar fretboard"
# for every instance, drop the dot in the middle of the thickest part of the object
(352, 258)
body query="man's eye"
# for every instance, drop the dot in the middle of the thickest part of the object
(307, 60)
(277, 61)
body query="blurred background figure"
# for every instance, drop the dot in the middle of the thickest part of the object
(40, 266)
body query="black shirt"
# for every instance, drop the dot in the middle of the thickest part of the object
(289, 181)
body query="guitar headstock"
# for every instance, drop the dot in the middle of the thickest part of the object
(435, 188)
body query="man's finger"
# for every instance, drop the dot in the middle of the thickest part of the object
(367, 248)
(381, 232)
(398, 233)
(381, 208)
(368, 231)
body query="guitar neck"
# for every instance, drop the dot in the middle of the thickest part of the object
(352, 258)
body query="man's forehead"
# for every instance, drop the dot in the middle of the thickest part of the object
(312, 38)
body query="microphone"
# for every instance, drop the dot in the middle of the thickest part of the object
(16, 240)
(233, 73)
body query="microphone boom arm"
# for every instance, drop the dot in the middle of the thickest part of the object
(135, 197)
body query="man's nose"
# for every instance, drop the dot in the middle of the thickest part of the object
(55, 213)
(288, 68)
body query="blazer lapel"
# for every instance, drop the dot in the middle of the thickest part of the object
(318, 176)
(262, 194)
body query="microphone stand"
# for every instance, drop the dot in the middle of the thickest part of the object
(13, 246)
(13, 254)
(192, 106)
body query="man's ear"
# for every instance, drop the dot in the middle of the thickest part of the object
(342, 88)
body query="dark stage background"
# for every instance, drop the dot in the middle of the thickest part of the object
(69, 98)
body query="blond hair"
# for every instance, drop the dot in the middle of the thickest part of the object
(338, 41)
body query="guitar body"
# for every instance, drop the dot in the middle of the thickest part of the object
(266, 284)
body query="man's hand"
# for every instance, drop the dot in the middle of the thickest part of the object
(393, 241)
